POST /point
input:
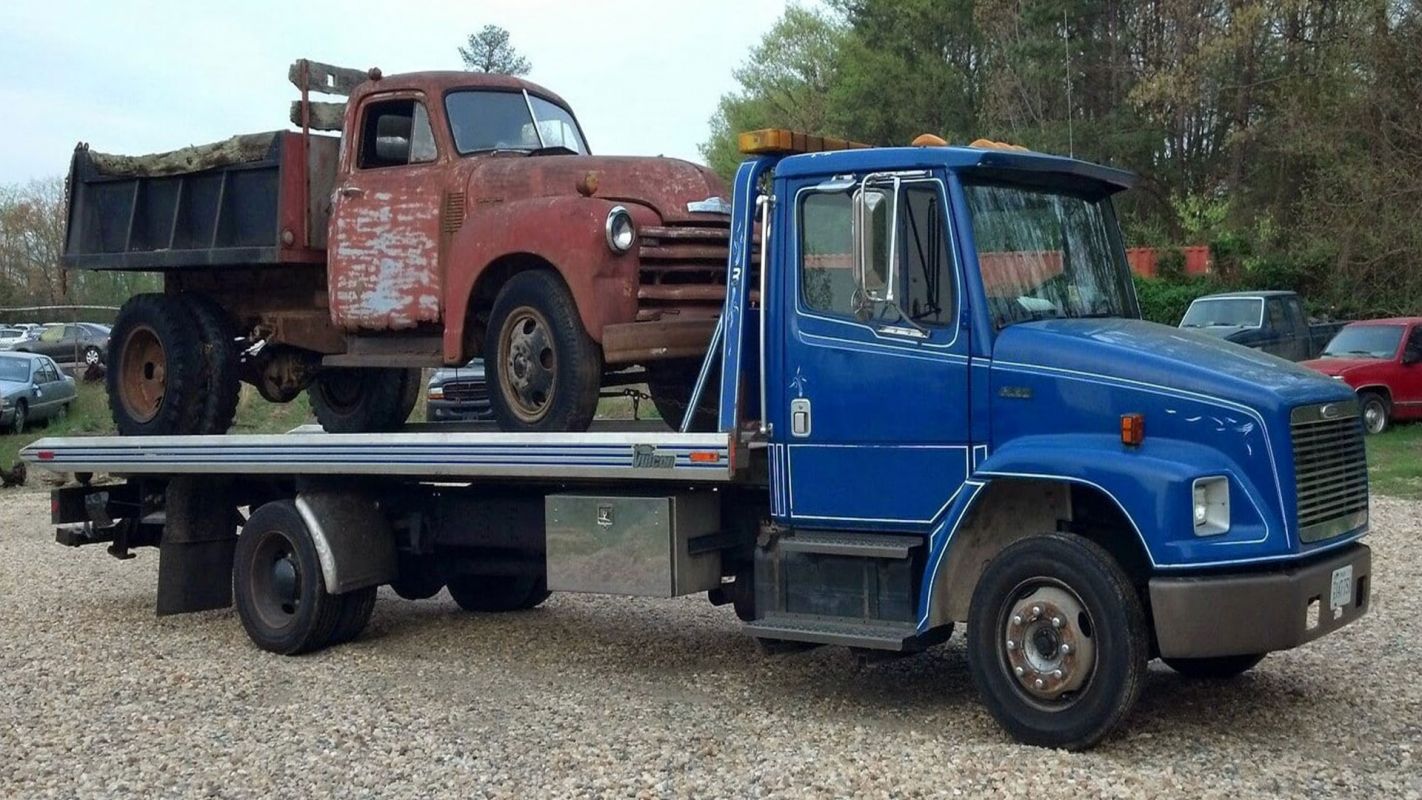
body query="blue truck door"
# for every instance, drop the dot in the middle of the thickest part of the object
(872, 428)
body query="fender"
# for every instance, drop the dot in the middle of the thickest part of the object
(566, 232)
(1151, 485)
(353, 539)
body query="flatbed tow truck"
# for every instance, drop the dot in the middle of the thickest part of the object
(937, 406)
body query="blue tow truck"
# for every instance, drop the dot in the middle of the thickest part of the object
(936, 405)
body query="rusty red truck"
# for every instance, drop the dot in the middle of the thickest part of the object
(453, 215)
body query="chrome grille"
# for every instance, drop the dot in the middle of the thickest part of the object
(466, 391)
(1330, 469)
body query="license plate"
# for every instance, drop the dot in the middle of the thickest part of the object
(1342, 593)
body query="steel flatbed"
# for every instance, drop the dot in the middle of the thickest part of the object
(615, 452)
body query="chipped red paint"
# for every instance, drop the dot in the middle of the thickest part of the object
(392, 267)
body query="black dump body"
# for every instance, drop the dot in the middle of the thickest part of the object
(251, 200)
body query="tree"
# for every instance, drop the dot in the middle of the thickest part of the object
(489, 51)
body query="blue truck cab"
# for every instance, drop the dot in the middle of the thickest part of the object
(953, 364)
(930, 402)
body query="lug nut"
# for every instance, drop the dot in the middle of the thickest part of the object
(1036, 611)
(1016, 619)
(1011, 645)
(1019, 671)
(1066, 648)
(1056, 673)
(1038, 683)
(1056, 622)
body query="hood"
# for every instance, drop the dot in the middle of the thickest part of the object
(7, 387)
(1178, 358)
(663, 184)
(1338, 366)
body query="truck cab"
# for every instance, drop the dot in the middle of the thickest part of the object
(1272, 321)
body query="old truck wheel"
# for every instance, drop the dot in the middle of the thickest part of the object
(1218, 668)
(155, 367)
(280, 592)
(497, 592)
(1057, 642)
(1376, 412)
(671, 385)
(349, 400)
(220, 384)
(544, 368)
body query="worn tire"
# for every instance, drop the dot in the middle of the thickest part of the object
(357, 606)
(219, 378)
(410, 395)
(353, 400)
(671, 385)
(1114, 629)
(1217, 668)
(543, 368)
(155, 368)
(1376, 412)
(496, 593)
(284, 607)
(22, 416)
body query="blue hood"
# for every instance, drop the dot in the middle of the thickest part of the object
(1135, 350)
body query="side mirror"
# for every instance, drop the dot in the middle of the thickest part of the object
(876, 217)
(1411, 355)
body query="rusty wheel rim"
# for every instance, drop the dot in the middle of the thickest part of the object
(528, 364)
(1048, 645)
(144, 375)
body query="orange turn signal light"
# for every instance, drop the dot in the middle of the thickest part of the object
(1132, 429)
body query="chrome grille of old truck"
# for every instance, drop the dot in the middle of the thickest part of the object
(1330, 468)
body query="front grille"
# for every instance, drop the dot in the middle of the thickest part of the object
(683, 267)
(1330, 468)
(466, 392)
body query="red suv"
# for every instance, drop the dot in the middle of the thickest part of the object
(1382, 360)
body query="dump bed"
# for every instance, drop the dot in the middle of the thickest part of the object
(256, 199)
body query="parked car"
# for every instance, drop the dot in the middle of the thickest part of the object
(9, 337)
(32, 387)
(458, 394)
(1382, 360)
(84, 342)
(1272, 321)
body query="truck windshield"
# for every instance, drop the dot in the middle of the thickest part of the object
(1046, 254)
(483, 120)
(1236, 312)
(1366, 341)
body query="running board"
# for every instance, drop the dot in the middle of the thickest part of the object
(860, 545)
(872, 635)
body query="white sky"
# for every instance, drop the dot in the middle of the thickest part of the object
(131, 77)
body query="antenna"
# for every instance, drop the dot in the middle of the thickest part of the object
(1066, 46)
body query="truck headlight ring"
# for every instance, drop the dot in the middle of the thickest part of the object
(1210, 505)
(621, 233)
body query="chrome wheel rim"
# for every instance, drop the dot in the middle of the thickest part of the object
(1373, 417)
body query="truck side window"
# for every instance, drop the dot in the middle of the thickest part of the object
(395, 133)
(925, 267)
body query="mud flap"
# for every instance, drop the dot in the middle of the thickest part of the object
(195, 553)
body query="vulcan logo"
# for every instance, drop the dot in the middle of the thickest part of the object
(645, 456)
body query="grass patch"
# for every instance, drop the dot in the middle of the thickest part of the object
(1395, 462)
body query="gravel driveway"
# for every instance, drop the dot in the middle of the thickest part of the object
(622, 698)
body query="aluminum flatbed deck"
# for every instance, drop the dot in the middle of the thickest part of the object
(609, 452)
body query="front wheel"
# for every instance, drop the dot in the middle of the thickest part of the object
(1218, 668)
(1376, 413)
(1057, 643)
(92, 356)
(544, 369)
(22, 416)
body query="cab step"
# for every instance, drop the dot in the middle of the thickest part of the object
(873, 635)
(860, 545)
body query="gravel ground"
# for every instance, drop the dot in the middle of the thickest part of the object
(593, 696)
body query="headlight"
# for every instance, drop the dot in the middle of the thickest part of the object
(1211, 506)
(621, 234)
(435, 393)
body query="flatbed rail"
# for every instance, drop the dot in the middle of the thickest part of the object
(661, 455)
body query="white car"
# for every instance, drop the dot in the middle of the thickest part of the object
(11, 336)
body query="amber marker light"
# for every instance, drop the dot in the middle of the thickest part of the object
(1132, 429)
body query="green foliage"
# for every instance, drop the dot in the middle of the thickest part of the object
(1170, 265)
(489, 50)
(1165, 301)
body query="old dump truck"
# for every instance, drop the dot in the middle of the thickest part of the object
(456, 215)
(936, 405)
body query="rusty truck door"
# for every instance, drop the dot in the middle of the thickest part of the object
(384, 268)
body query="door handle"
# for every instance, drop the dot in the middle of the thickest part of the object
(352, 191)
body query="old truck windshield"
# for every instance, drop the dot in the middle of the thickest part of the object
(483, 120)
(1046, 254)
(1241, 312)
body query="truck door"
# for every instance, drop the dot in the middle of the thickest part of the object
(383, 249)
(872, 429)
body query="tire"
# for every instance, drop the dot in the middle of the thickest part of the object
(357, 606)
(22, 416)
(1377, 412)
(351, 400)
(92, 356)
(218, 354)
(278, 586)
(410, 395)
(497, 593)
(1086, 690)
(1217, 668)
(543, 368)
(671, 386)
(154, 378)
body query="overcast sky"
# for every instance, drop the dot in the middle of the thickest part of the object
(137, 77)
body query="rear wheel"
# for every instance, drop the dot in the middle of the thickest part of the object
(219, 380)
(1377, 414)
(497, 592)
(671, 386)
(155, 370)
(92, 356)
(544, 369)
(1217, 668)
(1057, 641)
(349, 400)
